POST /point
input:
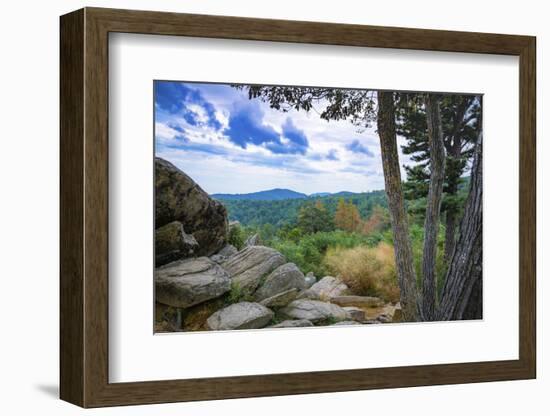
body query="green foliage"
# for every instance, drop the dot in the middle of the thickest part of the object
(236, 236)
(417, 243)
(313, 218)
(237, 294)
(309, 251)
(279, 213)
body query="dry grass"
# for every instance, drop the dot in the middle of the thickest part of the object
(367, 271)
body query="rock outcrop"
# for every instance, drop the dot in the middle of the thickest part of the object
(242, 315)
(250, 265)
(285, 277)
(179, 198)
(185, 283)
(172, 243)
(314, 311)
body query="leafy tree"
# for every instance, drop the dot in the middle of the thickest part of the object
(313, 218)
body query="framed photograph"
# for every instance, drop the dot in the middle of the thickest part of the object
(256, 207)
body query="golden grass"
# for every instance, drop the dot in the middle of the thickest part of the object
(367, 271)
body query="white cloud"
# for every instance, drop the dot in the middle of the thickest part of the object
(221, 166)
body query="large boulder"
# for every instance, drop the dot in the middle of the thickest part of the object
(280, 299)
(179, 198)
(325, 289)
(314, 311)
(189, 282)
(243, 315)
(250, 265)
(285, 277)
(172, 243)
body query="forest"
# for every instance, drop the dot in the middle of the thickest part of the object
(419, 240)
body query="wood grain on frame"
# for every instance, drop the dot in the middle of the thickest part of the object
(84, 207)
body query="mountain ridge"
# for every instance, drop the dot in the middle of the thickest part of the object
(277, 194)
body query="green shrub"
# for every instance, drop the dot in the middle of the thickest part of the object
(236, 236)
(308, 251)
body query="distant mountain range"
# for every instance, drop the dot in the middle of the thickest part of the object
(277, 195)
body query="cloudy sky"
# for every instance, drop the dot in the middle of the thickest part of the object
(230, 144)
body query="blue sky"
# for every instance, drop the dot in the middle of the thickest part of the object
(230, 144)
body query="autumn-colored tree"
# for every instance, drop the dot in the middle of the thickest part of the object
(347, 216)
(378, 220)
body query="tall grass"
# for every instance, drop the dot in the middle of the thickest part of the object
(368, 271)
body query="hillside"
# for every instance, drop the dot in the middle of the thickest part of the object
(256, 212)
(269, 195)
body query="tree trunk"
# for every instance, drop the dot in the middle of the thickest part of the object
(450, 231)
(453, 174)
(433, 206)
(461, 297)
(399, 222)
(453, 178)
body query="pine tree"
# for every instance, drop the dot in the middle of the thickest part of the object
(313, 218)
(460, 116)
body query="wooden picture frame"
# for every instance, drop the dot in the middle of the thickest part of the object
(84, 207)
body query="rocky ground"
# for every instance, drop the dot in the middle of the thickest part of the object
(203, 283)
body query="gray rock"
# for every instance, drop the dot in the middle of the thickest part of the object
(243, 315)
(314, 311)
(310, 280)
(280, 299)
(224, 253)
(344, 323)
(325, 289)
(172, 243)
(284, 277)
(189, 282)
(359, 301)
(228, 251)
(250, 265)
(253, 240)
(355, 314)
(179, 198)
(293, 323)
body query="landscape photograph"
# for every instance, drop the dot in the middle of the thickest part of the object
(304, 206)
